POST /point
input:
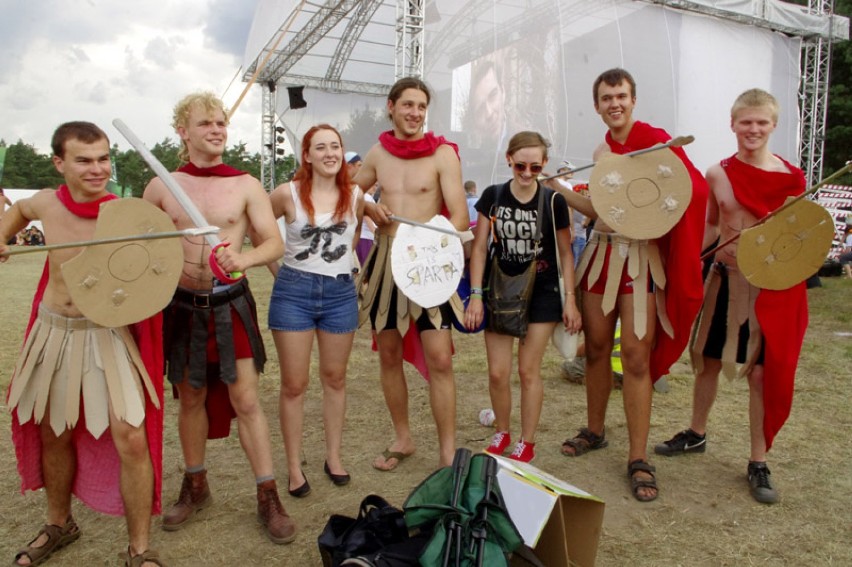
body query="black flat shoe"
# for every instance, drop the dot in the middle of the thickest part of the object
(337, 479)
(302, 490)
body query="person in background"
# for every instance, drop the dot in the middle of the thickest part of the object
(314, 295)
(472, 198)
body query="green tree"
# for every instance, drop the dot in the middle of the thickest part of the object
(27, 169)
(363, 129)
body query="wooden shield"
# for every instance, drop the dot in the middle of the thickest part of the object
(642, 196)
(123, 283)
(427, 265)
(788, 248)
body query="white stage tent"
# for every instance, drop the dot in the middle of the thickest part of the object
(499, 66)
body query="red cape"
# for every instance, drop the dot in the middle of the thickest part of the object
(680, 249)
(220, 170)
(782, 314)
(96, 483)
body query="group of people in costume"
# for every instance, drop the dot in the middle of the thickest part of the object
(87, 400)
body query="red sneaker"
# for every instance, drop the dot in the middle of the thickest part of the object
(499, 443)
(524, 452)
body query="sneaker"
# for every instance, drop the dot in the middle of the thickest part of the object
(524, 452)
(687, 441)
(499, 443)
(761, 486)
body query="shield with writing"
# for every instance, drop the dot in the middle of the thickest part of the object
(427, 265)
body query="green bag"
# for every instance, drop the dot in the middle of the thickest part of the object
(463, 508)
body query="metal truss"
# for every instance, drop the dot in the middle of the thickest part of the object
(351, 34)
(813, 97)
(267, 137)
(409, 38)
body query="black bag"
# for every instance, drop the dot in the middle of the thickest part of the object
(508, 297)
(509, 300)
(378, 524)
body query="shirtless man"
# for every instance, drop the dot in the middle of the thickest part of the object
(419, 174)
(213, 324)
(110, 472)
(647, 351)
(744, 188)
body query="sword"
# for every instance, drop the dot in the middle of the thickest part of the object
(183, 200)
(464, 236)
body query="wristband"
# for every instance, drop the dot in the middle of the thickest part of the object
(477, 290)
(475, 296)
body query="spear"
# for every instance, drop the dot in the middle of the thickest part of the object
(204, 230)
(464, 236)
(839, 173)
(673, 143)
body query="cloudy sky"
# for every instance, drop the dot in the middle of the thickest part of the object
(98, 60)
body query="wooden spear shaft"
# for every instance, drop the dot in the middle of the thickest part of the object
(839, 173)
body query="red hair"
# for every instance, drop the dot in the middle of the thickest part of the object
(304, 177)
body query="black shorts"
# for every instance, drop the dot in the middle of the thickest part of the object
(719, 325)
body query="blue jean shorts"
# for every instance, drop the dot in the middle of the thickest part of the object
(302, 301)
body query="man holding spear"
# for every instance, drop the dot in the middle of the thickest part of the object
(70, 366)
(761, 329)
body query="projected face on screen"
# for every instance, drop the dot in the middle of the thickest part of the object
(487, 102)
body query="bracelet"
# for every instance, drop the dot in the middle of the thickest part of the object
(569, 293)
(475, 296)
(476, 290)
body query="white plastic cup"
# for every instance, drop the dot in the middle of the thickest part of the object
(486, 417)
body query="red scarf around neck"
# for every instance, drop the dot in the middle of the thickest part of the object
(413, 149)
(219, 170)
(88, 210)
(761, 191)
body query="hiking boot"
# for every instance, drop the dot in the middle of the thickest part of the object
(194, 497)
(499, 443)
(280, 528)
(524, 452)
(687, 441)
(761, 486)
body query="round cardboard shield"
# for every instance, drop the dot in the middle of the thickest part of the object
(123, 283)
(641, 196)
(788, 248)
(427, 265)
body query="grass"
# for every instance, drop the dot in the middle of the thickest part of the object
(704, 515)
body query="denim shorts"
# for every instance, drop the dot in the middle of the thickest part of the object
(302, 301)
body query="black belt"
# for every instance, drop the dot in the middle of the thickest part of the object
(206, 300)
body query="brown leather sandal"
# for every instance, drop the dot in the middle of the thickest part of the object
(636, 484)
(583, 442)
(57, 538)
(147, 556)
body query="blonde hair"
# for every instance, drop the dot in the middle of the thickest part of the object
(527, 139)
(754, 98)
(206, 101)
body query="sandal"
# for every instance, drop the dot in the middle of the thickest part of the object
(147, 556)
(584, 442)
(57, 538)
(636, 484)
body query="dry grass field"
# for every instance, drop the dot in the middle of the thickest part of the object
(704, 515)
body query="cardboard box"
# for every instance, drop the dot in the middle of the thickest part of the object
(559, 521)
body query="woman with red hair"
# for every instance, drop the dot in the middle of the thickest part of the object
(314, 295)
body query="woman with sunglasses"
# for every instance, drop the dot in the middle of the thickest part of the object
(507, 221)
(314, 295)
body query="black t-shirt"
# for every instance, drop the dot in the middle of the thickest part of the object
(514, 224)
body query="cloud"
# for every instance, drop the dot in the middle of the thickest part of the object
(228, 25)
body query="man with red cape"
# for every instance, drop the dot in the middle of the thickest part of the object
(655, 325)
(760, 329)
(420, 176)
(86, 400)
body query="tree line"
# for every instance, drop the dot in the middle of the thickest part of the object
(26, 168)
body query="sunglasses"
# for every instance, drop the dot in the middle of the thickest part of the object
(534, 168)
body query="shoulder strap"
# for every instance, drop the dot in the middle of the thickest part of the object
(540, 214)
